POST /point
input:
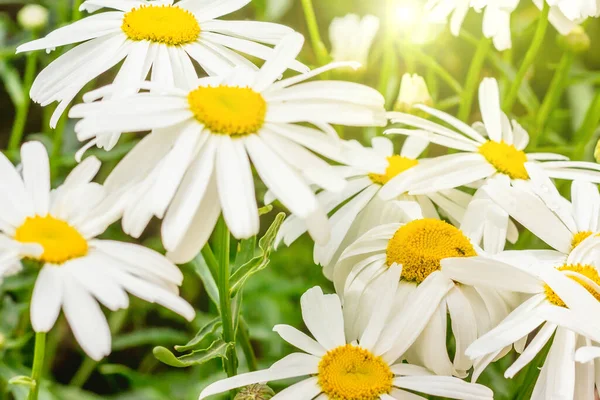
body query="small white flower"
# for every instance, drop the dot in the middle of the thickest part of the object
(33, 17)
(358, 207)
(343, 362)
(351, 37)
(413, 91)
(58, 228)
(197, 160)
(159, 36)
(428, 292)
(564, 299)
(492, 151)
(564, 15)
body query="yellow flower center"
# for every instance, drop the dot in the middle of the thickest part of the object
(164, 24)
(580, 237)
(228, 110)
(421, 245)
(61, 242)
(588, 271)
(396, 165)
(505, 158)
(353, 373)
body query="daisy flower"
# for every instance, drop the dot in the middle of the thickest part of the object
(197, 160)
(563, 300)
(564, 15)
(358, 208)
(351, 37)
(427, 292)
(541, 209)
(58, 229)
(161, 36)
(340, 365)
(489, 151)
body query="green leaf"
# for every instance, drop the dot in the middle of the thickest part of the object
(22, 380)
(203, 271)
(260, 262)
(146, 337)
(12, 82)
(208, 329)
(218, 349)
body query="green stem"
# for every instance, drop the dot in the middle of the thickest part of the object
(38, 365)
(244, 338)
(387, 64)
(313, 30)
(210, 259)
(529, 59)
(23, 109)
(553, 95)
(473, 78)
(586, 132)
(432, 64)
(222, 244)
(115, 322)
(76, 15)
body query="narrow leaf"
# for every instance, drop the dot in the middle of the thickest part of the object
(206, 330)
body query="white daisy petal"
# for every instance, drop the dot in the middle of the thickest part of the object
(36, 175)
(236, 188)
(299, 340)
(47, 298)
(532, 349)
(444, 386)
(322, 315)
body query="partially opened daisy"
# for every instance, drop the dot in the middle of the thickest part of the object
(197, 160)
(58, 228)
(340, 365)
(358, 208)
(564, 15)
(564, 300)
(488, 151)
(158, 36)
(427, 293)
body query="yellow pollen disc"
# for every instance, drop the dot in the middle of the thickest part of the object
(61, 242)
(353, 373)
(588, 271)
(165, 24)
(396, 165)
(580, 237)
(505, 158)
(228, 110)
(421, 245)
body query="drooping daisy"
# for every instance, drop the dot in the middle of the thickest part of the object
(341, 365)
(58, 229)
(564, 300)
(361, 208)
(351, 37)
(479, 159)
(197, 160)
(564, 15)
(159, 36)
(427, 293)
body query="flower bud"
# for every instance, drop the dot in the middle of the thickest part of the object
(33, 17)
(577, 41)
(255, 392)
(413, 90)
